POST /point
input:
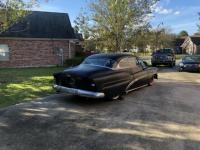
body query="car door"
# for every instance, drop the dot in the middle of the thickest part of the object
(139, 75)
(127, 65)
(145, 75)
(130, 65)
(115, 81)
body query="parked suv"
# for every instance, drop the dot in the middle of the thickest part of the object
(163, 57)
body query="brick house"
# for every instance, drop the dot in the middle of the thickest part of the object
(39, 39)
(191, 45)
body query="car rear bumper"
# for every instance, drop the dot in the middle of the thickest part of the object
(79, 92)
(161, 62)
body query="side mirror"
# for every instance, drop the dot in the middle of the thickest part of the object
(146, 63)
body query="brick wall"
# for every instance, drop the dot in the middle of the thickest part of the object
(35, 52)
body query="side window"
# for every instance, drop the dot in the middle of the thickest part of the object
(129, 62)
(4, 52)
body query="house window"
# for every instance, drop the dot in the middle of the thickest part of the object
(4, 52)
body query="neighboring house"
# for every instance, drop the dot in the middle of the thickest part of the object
(40, 39)
(177, 45)
(191, 45)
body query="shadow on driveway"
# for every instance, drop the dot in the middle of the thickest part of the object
(164, 116)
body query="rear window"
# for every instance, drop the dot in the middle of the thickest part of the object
(100, 62)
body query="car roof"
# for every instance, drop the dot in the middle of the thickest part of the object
(114, 56)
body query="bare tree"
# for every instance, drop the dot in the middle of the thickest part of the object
(183, 33)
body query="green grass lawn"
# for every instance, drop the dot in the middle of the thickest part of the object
(21, 85)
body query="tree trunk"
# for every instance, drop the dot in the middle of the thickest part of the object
(117, 46)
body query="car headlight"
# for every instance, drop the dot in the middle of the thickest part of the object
(169, 57)
(181, 64)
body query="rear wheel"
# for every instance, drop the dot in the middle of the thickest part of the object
(180, 69)
(58, 83)
(171, 65)
(116, 97)
(151, 81)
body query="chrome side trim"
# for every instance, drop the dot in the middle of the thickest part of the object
(79, 92)
(134, 80)
(135, 89)
(131, 83)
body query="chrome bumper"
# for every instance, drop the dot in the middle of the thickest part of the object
(78, 92)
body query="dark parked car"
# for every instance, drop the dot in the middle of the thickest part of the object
(105, 75)
(163, 57)
(190, 63)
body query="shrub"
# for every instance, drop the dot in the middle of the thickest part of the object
(180, 56)
(74, 61)
(80, 53)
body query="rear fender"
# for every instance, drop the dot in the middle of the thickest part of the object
(113, 83)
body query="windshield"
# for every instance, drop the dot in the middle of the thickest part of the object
(192, 58)
(164, 51)
(100, 62)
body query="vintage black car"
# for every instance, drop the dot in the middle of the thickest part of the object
(163, 57)
(105, 75)
(190, 63)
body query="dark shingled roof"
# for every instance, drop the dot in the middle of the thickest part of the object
(196, 40)
(42, 25)
(179, 41)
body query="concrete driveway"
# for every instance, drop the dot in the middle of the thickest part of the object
(165, 116)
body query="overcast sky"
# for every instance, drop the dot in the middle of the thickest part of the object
(175, 14)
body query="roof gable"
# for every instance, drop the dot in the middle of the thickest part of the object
(42, 25)
(179, 41)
